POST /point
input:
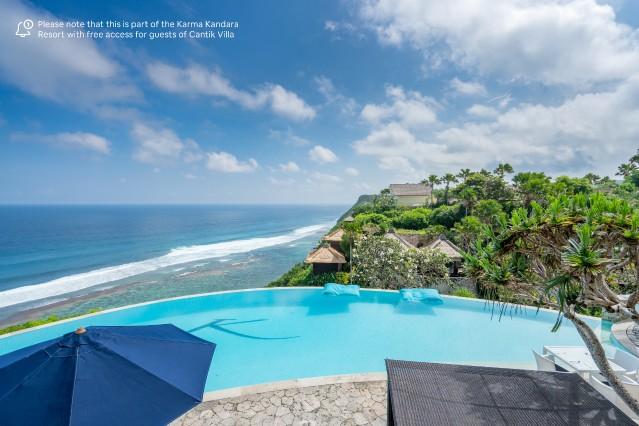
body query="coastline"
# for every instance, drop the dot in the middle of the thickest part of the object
(234, 265)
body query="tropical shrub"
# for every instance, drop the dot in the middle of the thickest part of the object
(418, 218)
(463, 292)
(447, 215)
(364, 221)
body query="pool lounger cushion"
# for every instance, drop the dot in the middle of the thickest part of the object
(429, 295)
(334, 289)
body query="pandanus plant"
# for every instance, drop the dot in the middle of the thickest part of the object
(583, 283)
(564, 256)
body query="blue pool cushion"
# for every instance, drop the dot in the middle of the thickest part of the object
(333, 289)
(429, 295)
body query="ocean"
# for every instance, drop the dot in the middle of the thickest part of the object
(65, 260)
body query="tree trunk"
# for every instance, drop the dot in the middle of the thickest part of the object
(599, 355)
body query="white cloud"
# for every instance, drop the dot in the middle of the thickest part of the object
(351, 171)
(322, 155)
(69, 71)
(78, 140)
(156, 145)
(288, 137)
(482, 111)
(588, 132)
(290, 167)
(571, 42)
(346, 105)
(228, 163)
(196, 80)
(410, 108)
(190, 176)
(470, 88)
(288, 104)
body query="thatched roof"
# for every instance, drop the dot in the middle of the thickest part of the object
(445, 246)
(419, 189)
(400, 239)
(335, 236)
(325, 255)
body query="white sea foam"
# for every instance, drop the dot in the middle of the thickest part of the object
(176, 256)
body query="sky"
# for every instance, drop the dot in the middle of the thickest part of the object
(312, 102)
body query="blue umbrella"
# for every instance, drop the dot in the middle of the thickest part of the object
(142, 375)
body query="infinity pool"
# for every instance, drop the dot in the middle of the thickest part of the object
(267, 335)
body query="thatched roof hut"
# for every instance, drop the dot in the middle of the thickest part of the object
(325, 259)
(445, 246)
(405, 243)
(335, 236)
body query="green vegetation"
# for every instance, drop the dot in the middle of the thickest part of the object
(301, 275)
(47, 320)
(463, 292)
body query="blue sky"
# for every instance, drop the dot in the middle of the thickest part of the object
(313, 102)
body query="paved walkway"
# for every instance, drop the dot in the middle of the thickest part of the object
(338, 404)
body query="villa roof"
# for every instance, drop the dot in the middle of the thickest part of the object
(325, 255)
(407, 189)
(396, 237)
(348, 218)
(335, 236)
(445, 246)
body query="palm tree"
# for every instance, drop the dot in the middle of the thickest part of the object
(503, 169)
(463, 174)
(432, 181)
(448, 178)
(626, 169)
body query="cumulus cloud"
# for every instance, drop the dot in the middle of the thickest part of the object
(197, 80)
(593, 131)
(156, 145)
(588, 132)
(482, 111)
(228, 163)
(470, 88)
(322, 155)
(351, 171)
(568, 42)
(79, 140)
(410, 108)
(69, 71)
(290, 167)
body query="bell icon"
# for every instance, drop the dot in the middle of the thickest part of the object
(24, 27)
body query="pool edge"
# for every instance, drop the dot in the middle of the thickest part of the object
(191, 296)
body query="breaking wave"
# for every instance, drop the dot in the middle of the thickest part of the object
(177, 256)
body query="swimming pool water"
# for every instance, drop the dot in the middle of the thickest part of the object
(267, 335)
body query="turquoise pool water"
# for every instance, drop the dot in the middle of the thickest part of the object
(268, 335)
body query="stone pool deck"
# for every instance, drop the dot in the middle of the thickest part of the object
(360, 403)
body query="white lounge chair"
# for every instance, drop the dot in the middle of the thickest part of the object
(629, 362)
(546, 363)
(597, 382)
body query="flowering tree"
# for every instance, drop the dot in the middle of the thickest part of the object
(384, 263)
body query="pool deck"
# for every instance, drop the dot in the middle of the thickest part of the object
(358, 403)
(627, 334)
